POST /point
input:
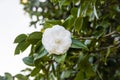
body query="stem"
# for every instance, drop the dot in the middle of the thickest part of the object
(100, 76)
(58, 72)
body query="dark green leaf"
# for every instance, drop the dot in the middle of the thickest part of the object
(21, 77)
(74, 11)
(64, 3)
(60, 58)
(21, 47)
(34, 37)
(20, 38)
(89, 72)
(35, 71)
(80, 75)
(69, 22)
(29, 61)
(78, 24)
(42, 53)
(66, 74)
(118, 28)
(8, 76)
(77, 44)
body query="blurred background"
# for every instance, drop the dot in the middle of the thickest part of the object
(13, 21)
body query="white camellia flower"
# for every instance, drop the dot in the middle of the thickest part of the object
(56, 40)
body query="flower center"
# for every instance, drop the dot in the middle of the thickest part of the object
(57, 41)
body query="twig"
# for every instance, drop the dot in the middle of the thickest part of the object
(110, 34)
(90, 38)
(86, 38)
(117, 45)
(100, 76)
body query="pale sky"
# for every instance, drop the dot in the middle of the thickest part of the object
(12, 23)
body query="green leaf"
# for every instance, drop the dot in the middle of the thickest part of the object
(2, 78)
(8, 76)
(80, 75)
(21, 77)
(24, 46)
(20, 38)
(42, 53)
(17, 50)
(60, 58)
(34, 37)
(29, 61)
(118, 28)
(77, 44)
(26, 69)
(74, 11)
(35, 71)
(54, 22)
(86, 67)
(89, 72)
(21, 47)
(50, 23)
(84, 8)
(95, 13)
(78, 24)
(63, 3)
(69, 22)
(66, 74)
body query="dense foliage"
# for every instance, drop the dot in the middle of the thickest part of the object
(95, 50)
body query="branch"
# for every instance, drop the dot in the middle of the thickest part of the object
(117, 45)
(110, 34)
(90, 38)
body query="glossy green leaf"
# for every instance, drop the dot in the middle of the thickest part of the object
(64, 3)
(60, 58)
(22, 46)
(54, 22)
(42, 53)
(77, 44)
(66, 74)
(8, 76)
(84, 8)
(21, 77)
(69, 22)
(29, 61)
(34, 37)
(35, 71)
(78, 24)
(20, 38)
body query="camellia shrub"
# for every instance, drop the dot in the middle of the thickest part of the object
(80, 39)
